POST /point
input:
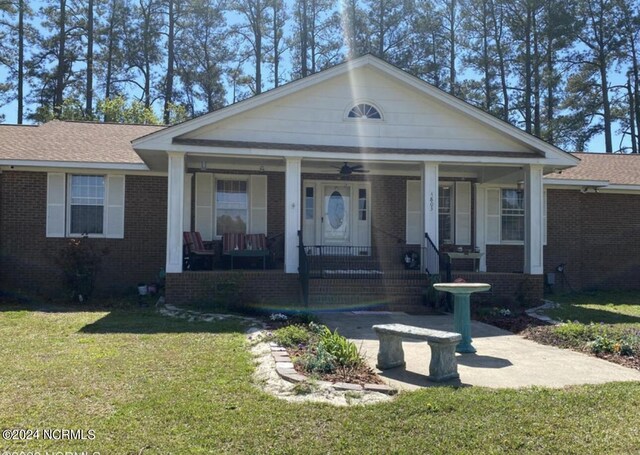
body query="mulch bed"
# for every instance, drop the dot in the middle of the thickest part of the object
(360, 375)
(516, 323)
(542, 332)
(544, 335)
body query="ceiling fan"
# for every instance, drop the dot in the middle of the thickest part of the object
(346, 170)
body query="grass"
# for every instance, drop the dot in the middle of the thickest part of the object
(600, 306)
(155, 385)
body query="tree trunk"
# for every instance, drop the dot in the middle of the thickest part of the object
(606, 105)
(89, 95)
(168, 89)
(632, 119)
(21, 7)
(58, 97)
(304, 44)
(452, 49)
(527, 73)
(258, 32)
(276, 41)
(536, 78)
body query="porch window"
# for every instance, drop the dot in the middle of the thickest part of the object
(232, 207)
(512, 211)
(86, 204)
(309, 207)
(445, 215)
(362, 204)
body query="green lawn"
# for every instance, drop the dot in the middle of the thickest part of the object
(153, 385)
(606, 307)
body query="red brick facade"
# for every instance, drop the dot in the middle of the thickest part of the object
(27, 256)
(595, 235)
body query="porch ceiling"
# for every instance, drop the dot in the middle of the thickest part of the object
(483, 173)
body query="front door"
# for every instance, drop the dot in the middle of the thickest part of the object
(336, 215)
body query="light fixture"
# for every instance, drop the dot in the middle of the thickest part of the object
(203, 165)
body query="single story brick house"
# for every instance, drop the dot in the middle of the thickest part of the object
(361, 177)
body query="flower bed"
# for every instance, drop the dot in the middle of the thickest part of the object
(321, 354)
(615, 344)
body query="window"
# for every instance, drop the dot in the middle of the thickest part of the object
(232, 207)
(86, 204)
(308, 205)
(512, 215)
(362, 204)
(445, 215)
(365, 111)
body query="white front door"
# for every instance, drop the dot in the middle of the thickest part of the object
(336, 215)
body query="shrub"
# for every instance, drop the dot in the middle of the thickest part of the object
(318, 360)
(80, 263)
(292, 335)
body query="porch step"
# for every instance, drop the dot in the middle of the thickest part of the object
(393, 294)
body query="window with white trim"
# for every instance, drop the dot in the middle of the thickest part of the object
(445, 213)
(86, 204)
(79, 204)
(232, 207)
(364, 111)
(512, 215)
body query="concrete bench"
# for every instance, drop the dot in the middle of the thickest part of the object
(443, 364)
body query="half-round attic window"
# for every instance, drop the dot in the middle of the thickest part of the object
(364, 110)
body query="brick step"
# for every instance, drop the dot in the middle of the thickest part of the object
(399, 287)
(366, 302)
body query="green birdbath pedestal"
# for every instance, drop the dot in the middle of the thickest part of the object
(461, 309)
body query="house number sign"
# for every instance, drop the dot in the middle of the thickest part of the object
(431, 202)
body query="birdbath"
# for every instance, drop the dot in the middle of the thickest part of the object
(461, 309)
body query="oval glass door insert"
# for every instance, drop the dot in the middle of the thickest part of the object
(335, 210)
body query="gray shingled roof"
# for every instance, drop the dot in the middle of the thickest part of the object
(72, 142)
(618, 169)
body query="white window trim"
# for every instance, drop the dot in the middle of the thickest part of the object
(452, 212)
(67, 228)
(354, 103)
(517, 242)
(239, 177)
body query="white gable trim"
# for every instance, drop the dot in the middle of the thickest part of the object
(161, 140)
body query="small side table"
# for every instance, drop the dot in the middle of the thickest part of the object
(475, 256)
(461, 309)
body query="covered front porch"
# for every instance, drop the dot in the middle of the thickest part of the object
(327, 230)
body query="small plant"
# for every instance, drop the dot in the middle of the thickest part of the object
(80, 263)
(278, 317)
(603, 345)
(318, 360)
(292, 336)
(304, 388)
(345, 352)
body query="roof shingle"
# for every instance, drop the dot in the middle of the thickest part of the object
(72, 142)
(618, 169)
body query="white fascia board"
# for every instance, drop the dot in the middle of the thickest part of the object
(632, 189)
(578, 183)
(341, 156)
(75, 165)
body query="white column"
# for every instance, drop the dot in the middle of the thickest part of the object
(533, 223)
(292, 213)
(430, 200)
(175, 211)
(481, 215)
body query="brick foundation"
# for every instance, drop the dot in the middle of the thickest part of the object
(507, 288)
(270, 286)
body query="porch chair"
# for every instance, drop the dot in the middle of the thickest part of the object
(199, 257)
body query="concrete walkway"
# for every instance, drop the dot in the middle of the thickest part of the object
(503, 359)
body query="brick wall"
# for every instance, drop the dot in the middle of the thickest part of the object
(27, 256)
(271, 286)
(597, 236)
(507, 287)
